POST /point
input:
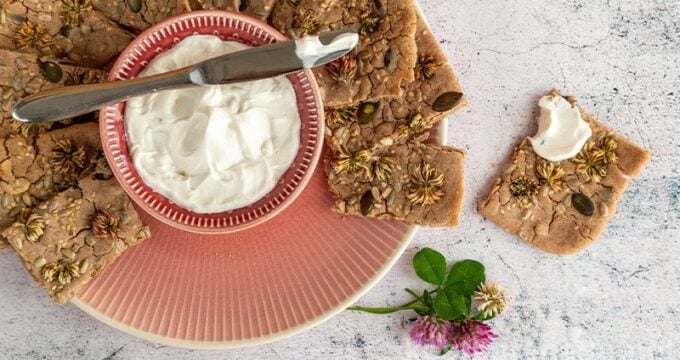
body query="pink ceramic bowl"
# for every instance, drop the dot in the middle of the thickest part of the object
(228, 26)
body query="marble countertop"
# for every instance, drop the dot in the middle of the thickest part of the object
(619, 299)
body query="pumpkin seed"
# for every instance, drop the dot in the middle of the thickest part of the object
(367, 112)
(583, 204)
(366, 203)
(447, 101)
(388, 58)
(379, 8)
(65, 30)
(18, 19)
(135, 5)
(244, 5)
(51, 71)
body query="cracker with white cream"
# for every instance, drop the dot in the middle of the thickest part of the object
(562, 207)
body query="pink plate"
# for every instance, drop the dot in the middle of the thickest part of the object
(256, 286)
(228, 26)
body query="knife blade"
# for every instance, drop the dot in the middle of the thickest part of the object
(251, 64)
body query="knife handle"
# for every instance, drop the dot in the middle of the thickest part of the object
(63, 103)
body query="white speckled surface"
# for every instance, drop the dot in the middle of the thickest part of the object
(618, 299)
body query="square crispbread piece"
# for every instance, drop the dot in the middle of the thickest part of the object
(384, 58)
(72, 238)
(415, 183)
(33, 171)
(69, 29)
(23, 74)
(433, 95)
(563, 207)
(142, 14)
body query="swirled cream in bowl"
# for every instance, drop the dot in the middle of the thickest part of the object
(212, 149)
(217, 158)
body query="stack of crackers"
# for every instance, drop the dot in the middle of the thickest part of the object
(66, 217)
(381, 101)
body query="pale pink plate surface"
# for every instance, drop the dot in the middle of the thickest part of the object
(252, 287)
(228, 26)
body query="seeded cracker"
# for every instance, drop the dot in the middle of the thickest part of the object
(416, 183)
(563, 207)
(66, 28)
(433, 95)
(24, 74)
(32, 173)
(384, 58)
(70, 239)
(142, 14)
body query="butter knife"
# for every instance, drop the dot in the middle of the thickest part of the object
(251, 64)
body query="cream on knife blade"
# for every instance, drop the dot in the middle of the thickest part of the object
(217, 148)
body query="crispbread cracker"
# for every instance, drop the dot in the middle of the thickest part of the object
(419, 184)
(384, 58)
(548, 217)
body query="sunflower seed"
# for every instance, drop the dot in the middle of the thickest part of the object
(566, 201)
(68, 253)
(120, 245)
(376, 193)
(21, 63)
(447, 101)
(84, 266)
(90, 240)
(341, 207)
(541, 229)
(39, 262)
(6, 198)
(7, 104)
(16, 242)
(526, 214)
(604, 209)
(26, 198)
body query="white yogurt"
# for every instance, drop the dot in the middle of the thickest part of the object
(214, 148)
(562, 132)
